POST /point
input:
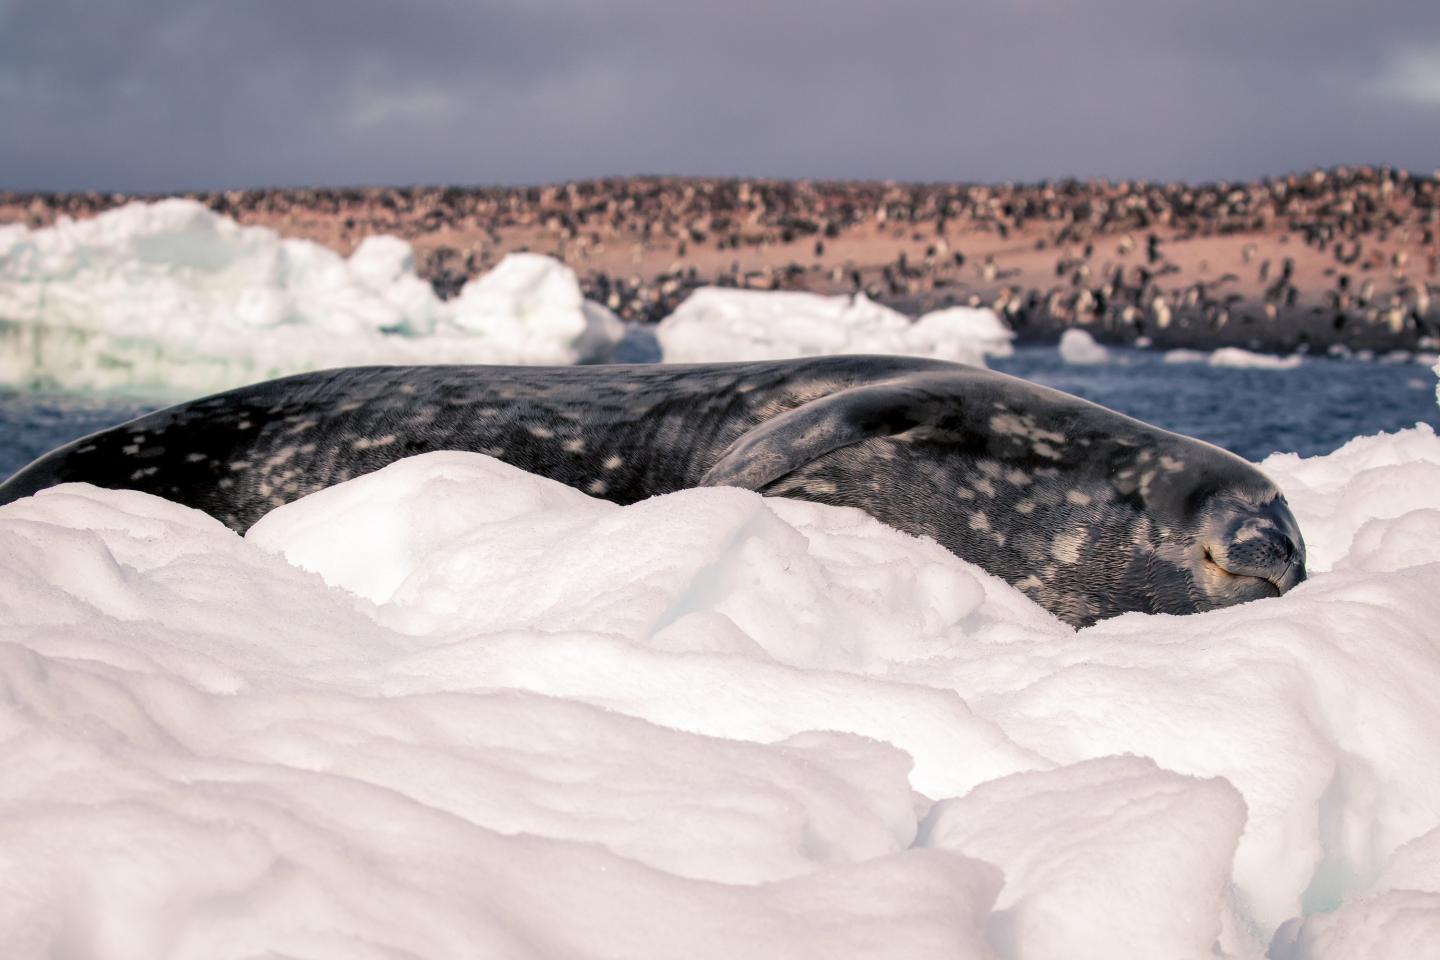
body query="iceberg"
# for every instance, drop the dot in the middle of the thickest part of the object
(170, 297)
(716, 323)
(1236, 358)
(1079, 347)
(1248, 360)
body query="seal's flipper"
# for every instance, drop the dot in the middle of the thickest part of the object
(796, 437)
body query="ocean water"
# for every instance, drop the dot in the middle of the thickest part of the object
(1311, 410)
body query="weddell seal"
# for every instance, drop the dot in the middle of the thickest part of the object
(1089, 512)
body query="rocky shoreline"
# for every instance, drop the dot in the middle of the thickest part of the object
(1339, 259)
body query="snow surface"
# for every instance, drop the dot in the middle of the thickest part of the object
(716, 323)
(451, 709)
(171, 296)
(1078, 346)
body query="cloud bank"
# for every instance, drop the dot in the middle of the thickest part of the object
(166, 95)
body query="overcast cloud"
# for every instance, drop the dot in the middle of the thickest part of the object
(167, 95)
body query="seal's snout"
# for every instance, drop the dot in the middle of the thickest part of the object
(1264, 544)
(1267, 554)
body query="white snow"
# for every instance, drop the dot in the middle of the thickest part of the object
(1074, 841)
(1078, 346)
(1398, 920)
(716, 323)
(170, 296)
(451, 709)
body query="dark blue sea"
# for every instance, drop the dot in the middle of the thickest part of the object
(1311, 409)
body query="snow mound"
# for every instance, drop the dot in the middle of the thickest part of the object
(170, 296)
(1113, 817)
(1393, 475)
(1185, 356)
(1078, 346)
(531, 303)
(1245, 359)
(715, 324)
(1397, 921)
(530, 723)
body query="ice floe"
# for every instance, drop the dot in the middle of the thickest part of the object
(453, 709)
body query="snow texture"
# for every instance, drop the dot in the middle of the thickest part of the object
(450, 709)
(170, 296)
(714, 324)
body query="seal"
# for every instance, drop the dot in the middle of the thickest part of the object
(1089, 512)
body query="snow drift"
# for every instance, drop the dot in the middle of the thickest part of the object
(171, 297)
(453, 709)
(716, 323)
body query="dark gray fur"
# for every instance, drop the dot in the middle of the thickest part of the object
(1090, 512)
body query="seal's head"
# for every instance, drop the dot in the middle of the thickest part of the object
(1232, 533)
(1126, 517)
(1092, 513)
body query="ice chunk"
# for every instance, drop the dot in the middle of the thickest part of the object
(1077, 842)
(1245, 359)
(530, 305)
(715, 324)
(1078, 346)
(170, 296)
(963, 334)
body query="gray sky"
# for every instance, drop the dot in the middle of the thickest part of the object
(170, 95)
